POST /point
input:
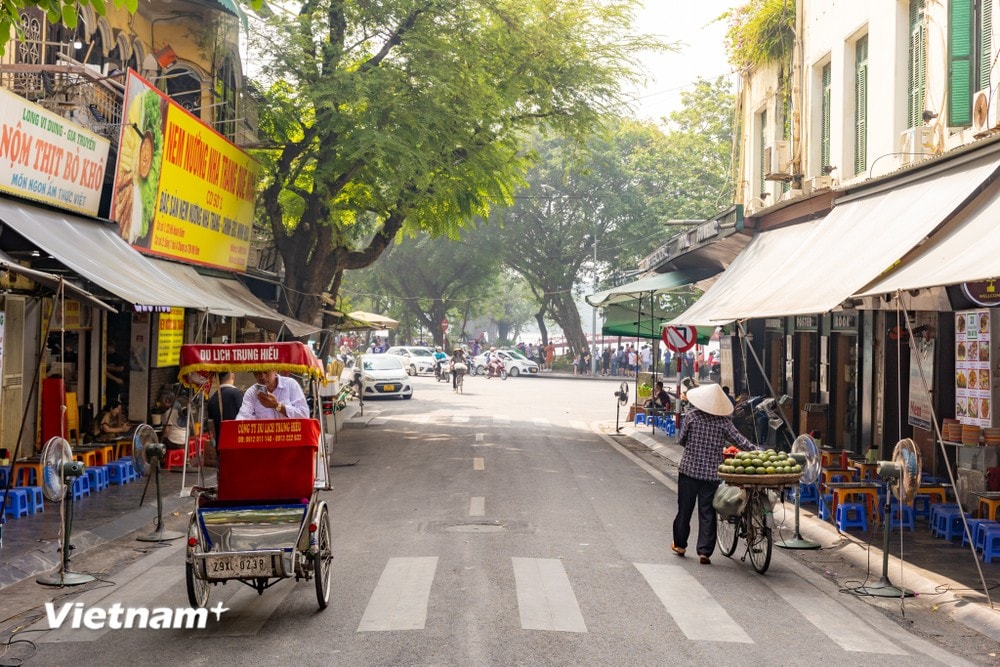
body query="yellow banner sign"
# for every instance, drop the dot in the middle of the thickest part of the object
(170, 338)
(181, 189)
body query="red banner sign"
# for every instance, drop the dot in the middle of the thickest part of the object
(197, 361)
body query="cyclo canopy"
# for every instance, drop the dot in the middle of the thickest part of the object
(198, 361)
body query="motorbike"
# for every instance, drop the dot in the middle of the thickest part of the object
(769, 421)
(441, 374)
(496, 369)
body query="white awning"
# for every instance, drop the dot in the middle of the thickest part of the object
(850, 247)
(964, 252)
(94, 251)
(53, 282)
(751, 272)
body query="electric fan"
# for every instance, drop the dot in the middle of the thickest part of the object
(147, 453)
(622, 396)
(806, 454)
(902, 479)
(58, 471)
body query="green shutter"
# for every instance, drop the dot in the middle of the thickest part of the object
(960, 72)
(824, 157)
(985, 42)
(763, 151)
(861, 105)
(917, 71)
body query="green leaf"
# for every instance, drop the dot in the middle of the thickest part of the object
(99, 7)
(69, 16)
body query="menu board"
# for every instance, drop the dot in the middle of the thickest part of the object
(973, 383)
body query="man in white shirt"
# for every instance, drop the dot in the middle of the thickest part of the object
(274, 397)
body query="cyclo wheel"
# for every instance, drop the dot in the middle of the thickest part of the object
(728, 533)
(323, 558)
(197, 589)
(759, 539)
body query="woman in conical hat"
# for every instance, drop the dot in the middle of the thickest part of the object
(705, 432)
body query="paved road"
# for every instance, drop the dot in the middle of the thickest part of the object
(499, 527)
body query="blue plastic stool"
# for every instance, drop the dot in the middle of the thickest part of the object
(979, 534)
(991, 544)
(974, 529)
(16, 504)
(825, 503)
(98, 477)
(852, 515)
(901, 516)
(922, 506)
(640, 418)
(36, 501)
(949, 524)
(671, 429)
(81, 487)
(808, 493)
(118, 472)
(936, 509)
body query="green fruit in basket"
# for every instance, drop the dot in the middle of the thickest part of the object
(757, 462)
(796, 469)
(750, 470)
(771, 470)
(730, 462)
(740, 470)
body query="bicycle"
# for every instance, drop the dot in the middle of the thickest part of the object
(753, 524)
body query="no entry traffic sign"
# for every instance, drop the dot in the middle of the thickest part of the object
(680, 339)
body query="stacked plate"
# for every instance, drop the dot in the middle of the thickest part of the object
(951, 430)
(991, 436)
(970, 434)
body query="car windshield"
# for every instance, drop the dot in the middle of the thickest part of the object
(381, 363)
(421, 352)
(517, 355)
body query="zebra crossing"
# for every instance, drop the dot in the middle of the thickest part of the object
(546, 601)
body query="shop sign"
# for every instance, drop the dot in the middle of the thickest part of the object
(843, 321)
(70, 316)
(48, 159)
(170, 337)
(181, 189)
(774, 324)
(806, 322)
(973, 381)
(982, 293)
(921, 362)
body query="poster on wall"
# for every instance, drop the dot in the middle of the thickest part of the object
(921, 371)
(170, 336)
(182, 190)
(972, 367)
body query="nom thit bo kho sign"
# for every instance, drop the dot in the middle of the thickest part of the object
(46, 158)
(181, 189)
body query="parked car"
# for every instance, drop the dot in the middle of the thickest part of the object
(515, 363)
(384, 375)
(417, 360)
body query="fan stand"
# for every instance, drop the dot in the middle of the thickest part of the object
(798, 542)
(885, 588)
(159, 534)
(63, 576)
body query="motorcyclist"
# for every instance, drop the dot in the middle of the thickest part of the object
(494, 364)
(439, 359)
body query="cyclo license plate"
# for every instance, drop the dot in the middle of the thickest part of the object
(237, 565)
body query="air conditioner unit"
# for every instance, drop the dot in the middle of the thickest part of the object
(818, 183)
(984, 113)
(916, 144)
(777, 162)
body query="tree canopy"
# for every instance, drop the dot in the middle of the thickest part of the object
(408, 115)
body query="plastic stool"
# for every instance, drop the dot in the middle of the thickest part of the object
(949, 524)
(25, 476)
(852, 515)
(118, 473)
(81, 487)
(922, 506)
(974, 530)
(36, 501)
(808, 493)
(98, 477)
(640, 418)
(937, 508)
(175, 459)
(991, 544)
(16, 504)
(901, 516)
(825, 503)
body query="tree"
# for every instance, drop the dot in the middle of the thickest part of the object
(56, 11)
(408, 114)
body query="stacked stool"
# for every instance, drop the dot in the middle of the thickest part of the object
(852, 515)
(16, 504)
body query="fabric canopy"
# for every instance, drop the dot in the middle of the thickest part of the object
(198, 361)
(52, 282)
(380, 321)
(632, 320)
(959, 254)
(845, 251)
(655, 284)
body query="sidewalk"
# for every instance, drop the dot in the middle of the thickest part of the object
(932, 566)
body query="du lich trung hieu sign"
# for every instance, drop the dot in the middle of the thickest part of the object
(45, 157)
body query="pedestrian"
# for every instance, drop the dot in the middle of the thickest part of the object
(705, 432)
(225, 403)
(550, 356)
(606, 360)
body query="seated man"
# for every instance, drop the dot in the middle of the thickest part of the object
(113, 424)
(274, 397)
(659, 402)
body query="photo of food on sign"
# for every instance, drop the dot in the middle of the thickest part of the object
(984, 378)
(973, 351)
(984, 408)
(984, 323)
(960, 352)
(984, 353)
(973, 379)
(960, 323)
(960, 379)
(140, 154)
(961, 409)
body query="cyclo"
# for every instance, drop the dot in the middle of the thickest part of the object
(264, 521)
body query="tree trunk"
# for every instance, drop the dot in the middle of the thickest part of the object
(540, 318)
(565, 314)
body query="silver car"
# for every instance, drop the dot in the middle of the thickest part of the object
(417, 360)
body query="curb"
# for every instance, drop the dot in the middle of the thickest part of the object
(974, 615)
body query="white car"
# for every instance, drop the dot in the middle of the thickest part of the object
(417, 360)
(515, 363)
(384, 375)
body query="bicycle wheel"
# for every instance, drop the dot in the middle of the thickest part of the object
(759, 539)
(728, 533)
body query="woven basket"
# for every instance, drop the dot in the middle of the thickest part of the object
(761, 480)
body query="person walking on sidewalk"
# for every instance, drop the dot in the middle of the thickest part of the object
(705, 431)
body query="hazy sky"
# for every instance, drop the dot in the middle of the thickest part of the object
(700, 53)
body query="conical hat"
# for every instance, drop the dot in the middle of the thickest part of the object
(711, 399)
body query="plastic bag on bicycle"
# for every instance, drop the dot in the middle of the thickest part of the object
(729, 500)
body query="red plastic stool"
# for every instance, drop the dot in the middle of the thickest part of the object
(174, 459)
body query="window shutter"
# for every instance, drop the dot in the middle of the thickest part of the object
(960, 77)
(763, 150)
(824, 158)
(861, 105)
(985, 42)
(917, 73)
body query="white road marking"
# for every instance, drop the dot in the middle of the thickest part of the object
(399, 601)
(692, 607)
(834, 620)
(545, 597)
(477, 506)
(480, 437)
(541, 421)
(478, 463)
